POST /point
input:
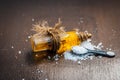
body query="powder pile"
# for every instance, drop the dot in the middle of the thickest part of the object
(85, 51)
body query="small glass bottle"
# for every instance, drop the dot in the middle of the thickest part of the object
(58, 43)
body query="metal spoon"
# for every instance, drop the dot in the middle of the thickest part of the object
(78, 50)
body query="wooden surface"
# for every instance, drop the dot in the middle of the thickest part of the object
(101, 18)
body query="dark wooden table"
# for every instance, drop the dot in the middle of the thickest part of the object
(101, 18)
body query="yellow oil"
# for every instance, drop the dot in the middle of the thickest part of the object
(71, 38)
(67, 42)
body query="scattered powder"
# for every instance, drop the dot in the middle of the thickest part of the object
(81, 20)
(49, 57)
(61, 55)
(19, 52)
(56, 62)
(79, 62)
(87, 44)
(29, 37)
(81, 52)
(38, 71)
(99, 46)
(12, 47)
(46, 79)
(26, 40)
(33, 19)
(107, 48)
(99, 56)
(86, 32)
(41, 71)
(91, 57)
(56, 57)
(23, 78)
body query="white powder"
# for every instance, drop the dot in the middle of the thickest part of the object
(33, 19)
(38, 71)
(80, 52)
(56, 62)
(19, 52)
(46, 79)
(99, 46)
(12, 47)
(69, 56)
(56, 57)
(41, 71)
(99, 56)
(107, 48)
(49, 57)
(91, 57)
(29, 37)
(110, 49)
(26, 40)
(81, 20)
(79, 62)
(23, 78)
(88, 45)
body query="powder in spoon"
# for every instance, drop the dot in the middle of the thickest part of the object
(82, 49)
(79, 50)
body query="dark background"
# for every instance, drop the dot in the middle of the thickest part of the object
(99, 17)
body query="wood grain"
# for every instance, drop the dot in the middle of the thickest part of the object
(101, 18)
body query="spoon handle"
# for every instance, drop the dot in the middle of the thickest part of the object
(100, 52)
